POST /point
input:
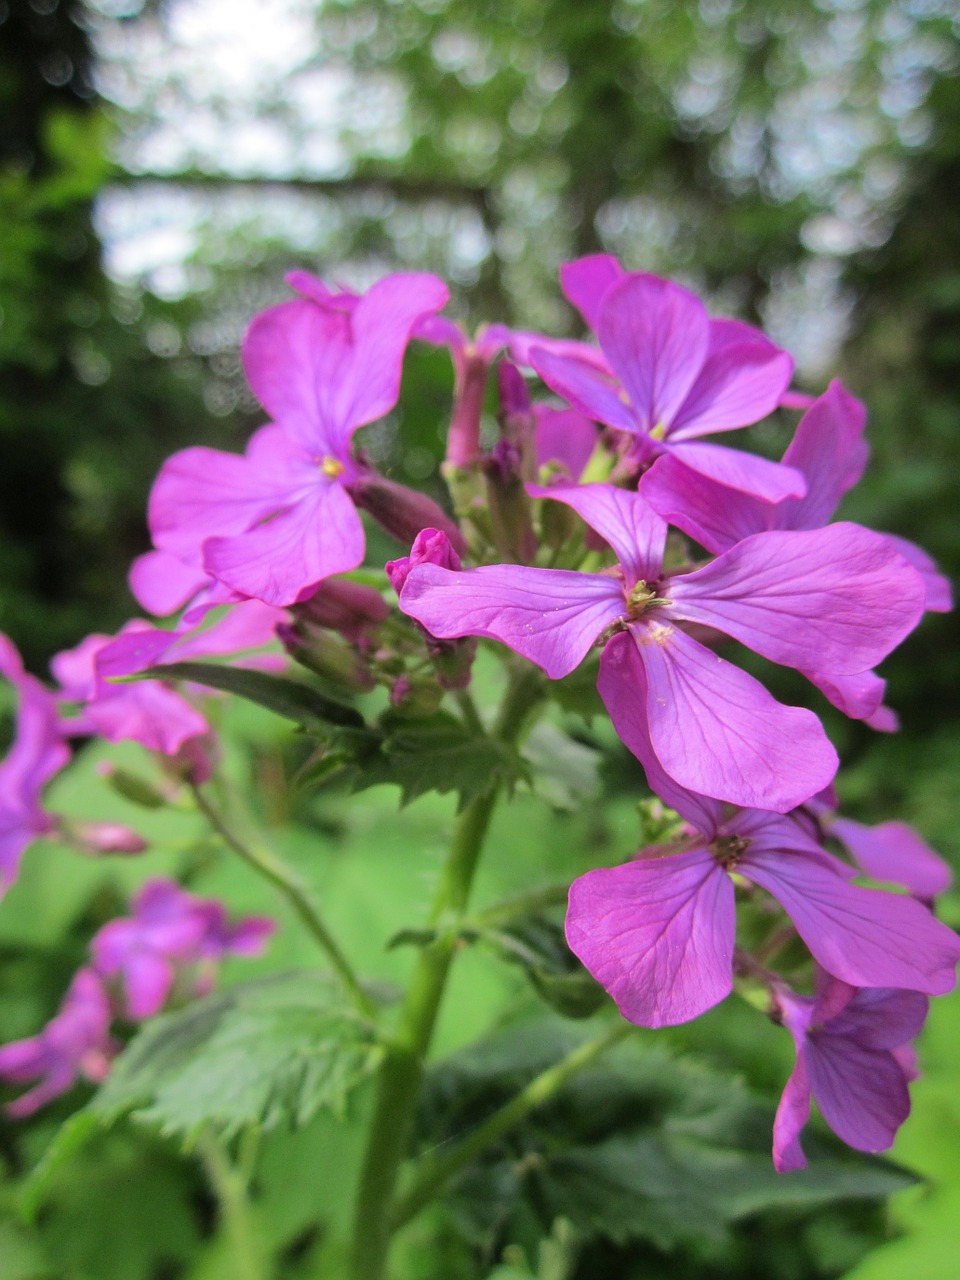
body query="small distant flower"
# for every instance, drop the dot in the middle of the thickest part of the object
(850, 1058)
(75, 1043)
(38, 753)
(171, 933)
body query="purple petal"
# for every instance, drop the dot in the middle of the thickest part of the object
(893, 851)
(625, 520)
(202, 493)
(866, 937)
(162, 584)
(656, 336)
(583, 385)
(148, 980)
(148, 713)
(551, 616)
(793, 1113)
(858, 697)
(834, 600)
(283, 560)
(322, 371)
(736, 469)
(880, 1018)
(939, 593)
(742, 380)
(714, 729)
(585, 281)
(829, 450)
(862, 1094)
(658, 934)
(717, 516)
(564, 436)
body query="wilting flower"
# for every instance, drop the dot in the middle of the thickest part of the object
(849, 1058)
(839, 597)
(74, 1043)
(170, 933)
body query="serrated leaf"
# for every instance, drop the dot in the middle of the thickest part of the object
(279, 694)
(437, 753)
(267, 1052)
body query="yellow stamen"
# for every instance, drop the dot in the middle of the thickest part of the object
(332, 467)
(659, 431)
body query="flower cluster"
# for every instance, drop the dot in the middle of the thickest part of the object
(606, 527)
(166, 950)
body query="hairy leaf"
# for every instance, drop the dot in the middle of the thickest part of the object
(267, 1052)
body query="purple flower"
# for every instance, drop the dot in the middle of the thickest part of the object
(658, 932)
(829, 452)
(839, 597)
(430, 546)
(146, 712)
(38, 752)
(277, 521)
(171, 932)
(74, 1043)
(850, 1059)
(678, 375)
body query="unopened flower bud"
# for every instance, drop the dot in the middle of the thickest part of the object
(508, 504)
(352, 609)
(401, 511)
(430, 546)
(319, 651)
(103, 837)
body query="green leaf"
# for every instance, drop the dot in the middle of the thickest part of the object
(565, 773)
(267, 1052)
(286, 697)
(539, 946)
(642, 1147)
(437, 753)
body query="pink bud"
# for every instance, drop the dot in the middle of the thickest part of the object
(430, 546)
(107, 837)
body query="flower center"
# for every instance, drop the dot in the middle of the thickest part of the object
(658, 432)
(640, 598)
(332, 467)
(728, 850)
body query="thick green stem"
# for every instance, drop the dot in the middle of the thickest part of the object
(236, 1220)
(402, 1072)
(268, 865)
(540, 1090)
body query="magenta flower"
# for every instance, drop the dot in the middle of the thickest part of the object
(74, 1043)
(850, 1057)
(170, 933)
(829, 452)
(277, 521)
(658, 932)
(38, 752)
(145, 712)
(677, 375)
(838, 596)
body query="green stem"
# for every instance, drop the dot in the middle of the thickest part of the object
(268, 865)
(235, 1217)
(540, 1090)
(401, 1075)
